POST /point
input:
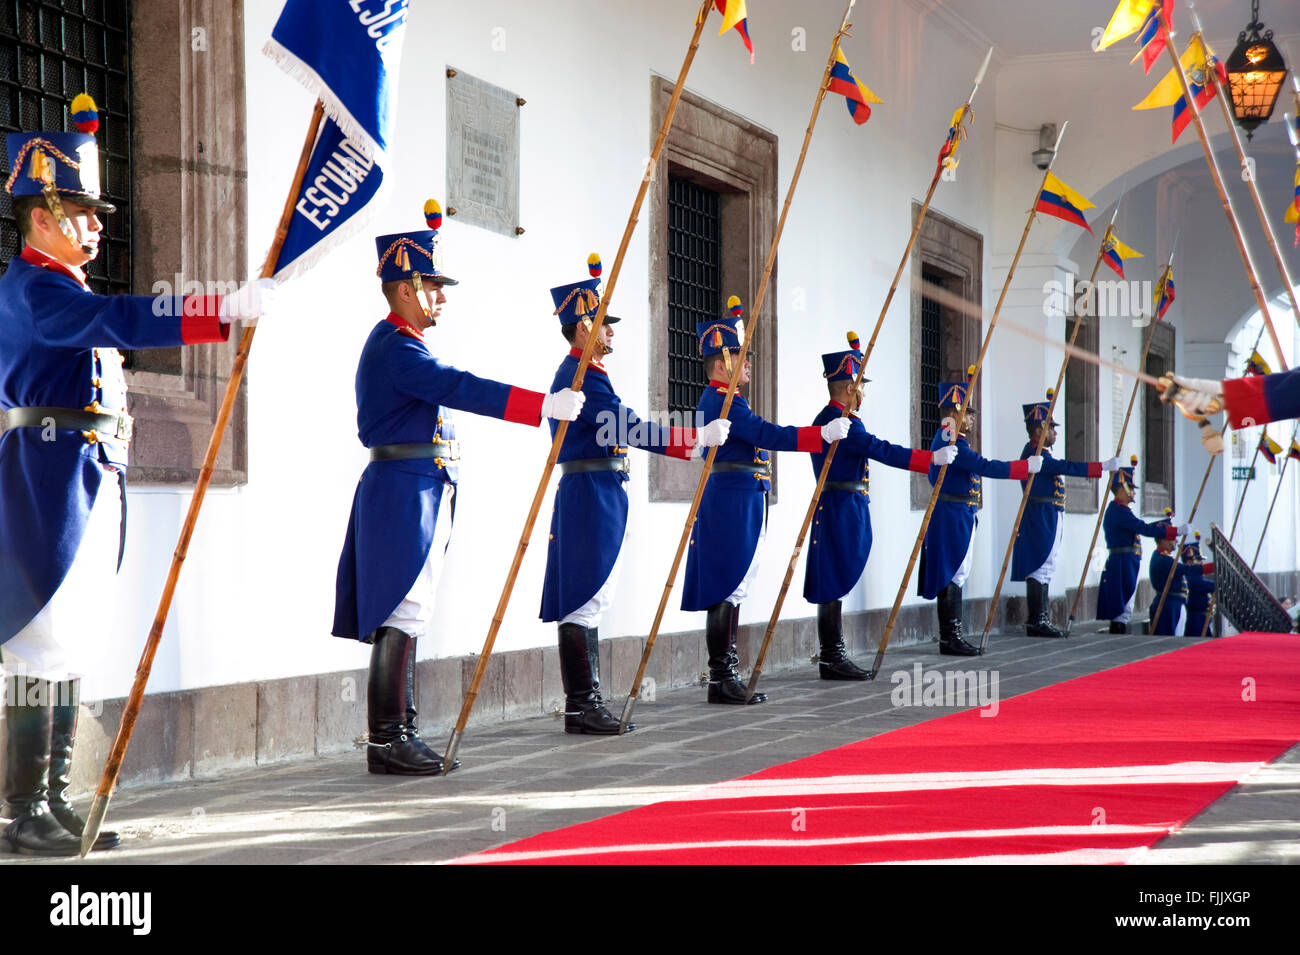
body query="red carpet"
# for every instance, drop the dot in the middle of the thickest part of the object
(1092, 770)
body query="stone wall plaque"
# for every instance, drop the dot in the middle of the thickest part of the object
(482, 153)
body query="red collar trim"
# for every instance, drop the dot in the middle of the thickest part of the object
(591, 362)
(403, 326)
(38, 258)
(839, 405)
(720, 384)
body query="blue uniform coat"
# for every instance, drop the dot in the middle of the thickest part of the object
(1043, 510)
(948, 537)
(840, 542)
(403, 393)
(730, 519)
(58, 348)
(1119, 577)
(1200, 590)
(1158, 569)
(590, 513)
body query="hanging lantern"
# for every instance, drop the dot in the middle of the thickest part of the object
(1256, 72)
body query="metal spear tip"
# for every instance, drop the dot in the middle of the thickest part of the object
(449, 760)
(626, 718)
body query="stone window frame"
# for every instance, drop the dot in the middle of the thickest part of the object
(1156, 496)
(1082, 397)
(189, 189)
(945, 246)
(719, 149)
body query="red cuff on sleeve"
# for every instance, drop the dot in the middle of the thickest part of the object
(1019, 470)
(1094, 469)
(1207, 568)
(1171, 532)
(524, 407)
(199, 323)
(1245, 400)
(810, 439)
(920, 462)
(680, 442)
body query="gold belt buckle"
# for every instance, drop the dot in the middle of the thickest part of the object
(125, 427)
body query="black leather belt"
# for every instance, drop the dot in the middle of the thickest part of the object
(587, 465)
(736, 467)
(957, 498)
(1043, 500)
(1133, 549)
(118, 425)
(848, 486)
(442, 450)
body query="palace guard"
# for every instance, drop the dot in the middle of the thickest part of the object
(589, 522)
(732, 519)
(1200, 590)
(1033, 558)
(841, 531)
(946, 556)
(404, 504)
(64, 431)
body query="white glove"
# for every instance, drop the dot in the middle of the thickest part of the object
(1185, 530)
(945, 455)
(1035, 463)
(1211, 440)
(835, 430)
(1114, 464)
(1194, 396)
(713, 433)
(254, 300)
(563, 405)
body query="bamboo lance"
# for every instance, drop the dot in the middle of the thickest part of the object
(1119, 445)
(1042, 436)
(1280, 480)
(593, 336)
(107, 781)
(734, 382)
(944, 152)
(956, 430)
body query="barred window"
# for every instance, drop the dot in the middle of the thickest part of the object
(694, 285)
(51, 50)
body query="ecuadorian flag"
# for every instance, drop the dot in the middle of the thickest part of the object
(1058, 199)
(1256, 365)
(1164, 294)
(1269, 448)
(735, 15)
(1294, 450)
(1151, 36)
(1293, 210)
(1117, 252)
(856, 95)
(1201, 69)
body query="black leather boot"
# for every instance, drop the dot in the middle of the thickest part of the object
(833, 659)
(1118, 627)
(395, 746)
(584, 710)
(28, 718)
(720, 625)
(951, 642)
(1038, 623)
(63, 738)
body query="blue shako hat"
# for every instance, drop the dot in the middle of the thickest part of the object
(720, 334)
(1036, 413)
(1123, 477)
(403, 254)
(1191, 552)
(68, 161)
(953, 393)
(844, 365)
(581, 300)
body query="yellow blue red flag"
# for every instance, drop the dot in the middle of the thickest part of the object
(735, 15)
(1256, 365)
(1269, 448)
(1058, 199)
(1202, 68)
(855, 94)
(1294, 450)
(1117, 252)
(1129, 17)
(1164, 294)
(1151, 35)
(1293, 210)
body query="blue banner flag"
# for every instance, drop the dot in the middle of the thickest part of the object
(340, 181)
(347, 53)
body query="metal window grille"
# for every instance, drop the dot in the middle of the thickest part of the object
(1158, 440)
(51, 50)
(931, 357)
(694, 285)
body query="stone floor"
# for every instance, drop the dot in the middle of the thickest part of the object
(525, 777)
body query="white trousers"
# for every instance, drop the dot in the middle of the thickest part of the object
(740, 593)
(70, 635)
(1044, 574)
(1127, 614)
(589, 614)
(959, 578)
(415, 611)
